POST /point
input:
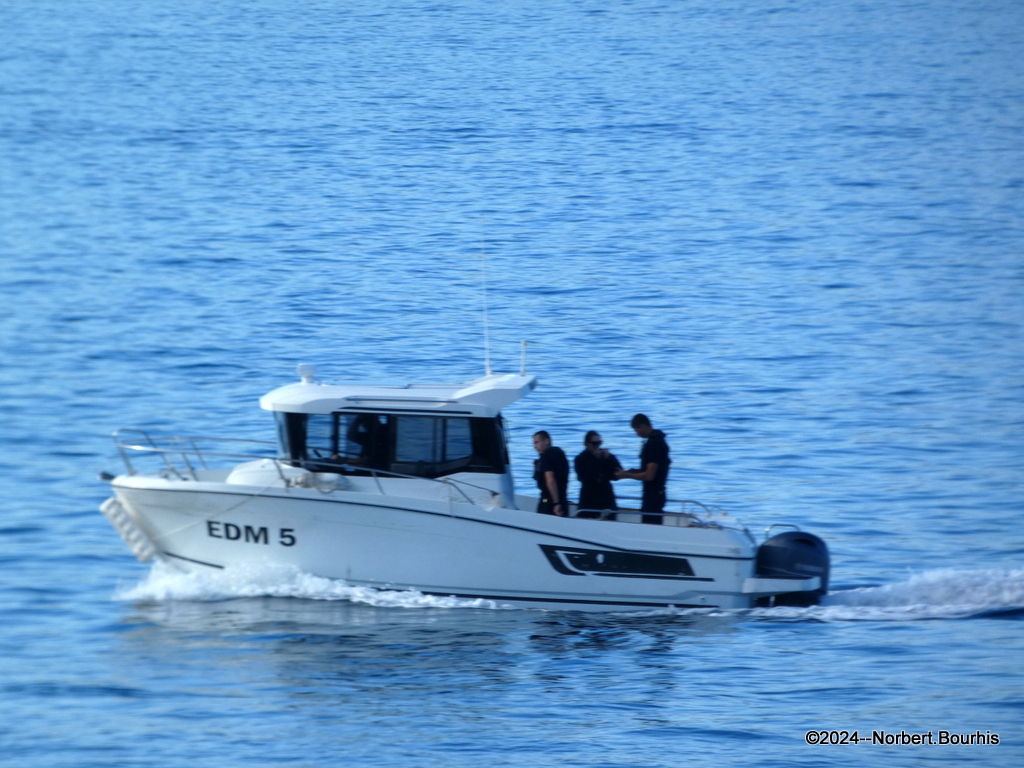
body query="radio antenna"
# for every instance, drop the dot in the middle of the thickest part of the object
(487, 328)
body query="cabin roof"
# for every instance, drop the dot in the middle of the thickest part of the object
(485, 396)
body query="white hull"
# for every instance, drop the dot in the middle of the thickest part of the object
(390, 534)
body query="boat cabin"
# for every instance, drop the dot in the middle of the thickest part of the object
(422, 430)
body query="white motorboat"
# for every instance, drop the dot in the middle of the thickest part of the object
(410, 488)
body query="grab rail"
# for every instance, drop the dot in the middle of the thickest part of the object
(770, 528)
(709, 510)
(176, 446)
(637, 511)
(185, 446)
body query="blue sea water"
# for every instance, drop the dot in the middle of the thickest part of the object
(791, 232)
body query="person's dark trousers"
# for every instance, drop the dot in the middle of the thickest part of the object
(653, 501)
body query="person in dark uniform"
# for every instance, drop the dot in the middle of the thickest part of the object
(551, 471)
(653, 470)
(595, 469)
(370, 432)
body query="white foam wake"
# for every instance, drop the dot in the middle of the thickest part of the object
(166, 583)
(937, 594)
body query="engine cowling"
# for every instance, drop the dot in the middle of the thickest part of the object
(793, 555)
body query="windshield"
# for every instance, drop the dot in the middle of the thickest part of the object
(424, 446)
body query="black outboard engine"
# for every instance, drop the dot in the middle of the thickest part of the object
(793, 555)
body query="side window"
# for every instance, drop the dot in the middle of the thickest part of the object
(458, 442)
(328, 440)
(424, 446)
(291, 434)
(416, 439)
(435, 446)
(320, 436)
(364, 439)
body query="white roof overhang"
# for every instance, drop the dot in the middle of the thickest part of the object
(485, 396)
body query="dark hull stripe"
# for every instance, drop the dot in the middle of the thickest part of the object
(441, 514)
(193, 560)
(567, 600)
(467, 596)
(646, 576)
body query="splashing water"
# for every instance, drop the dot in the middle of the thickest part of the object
(938, 594)
(945, 593)
(166, 583)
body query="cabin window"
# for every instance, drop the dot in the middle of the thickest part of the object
(423, 446)
(416, 439)
(458, 439)
(432, 446)
(321, 438)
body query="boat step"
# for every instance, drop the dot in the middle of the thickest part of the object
(133, 536)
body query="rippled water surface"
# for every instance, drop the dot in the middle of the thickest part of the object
(791, 233)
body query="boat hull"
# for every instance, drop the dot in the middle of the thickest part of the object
(445, 546)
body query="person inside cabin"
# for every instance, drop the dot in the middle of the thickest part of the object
(370, 432)
(551, 471)
(653, 472)
(595, 469)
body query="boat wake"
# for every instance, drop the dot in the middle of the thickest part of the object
(166, 583)
(938, 594)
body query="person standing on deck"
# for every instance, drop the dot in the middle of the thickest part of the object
(653, 470)
(551, 471)
(596, 468)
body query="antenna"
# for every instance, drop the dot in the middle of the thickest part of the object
(522, 361)
(487, 328)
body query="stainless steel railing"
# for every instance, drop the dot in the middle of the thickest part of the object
(183, 448)
(190, 453)
(702, 519)
(188, 450)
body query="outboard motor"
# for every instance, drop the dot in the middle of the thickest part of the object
(793, 555)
